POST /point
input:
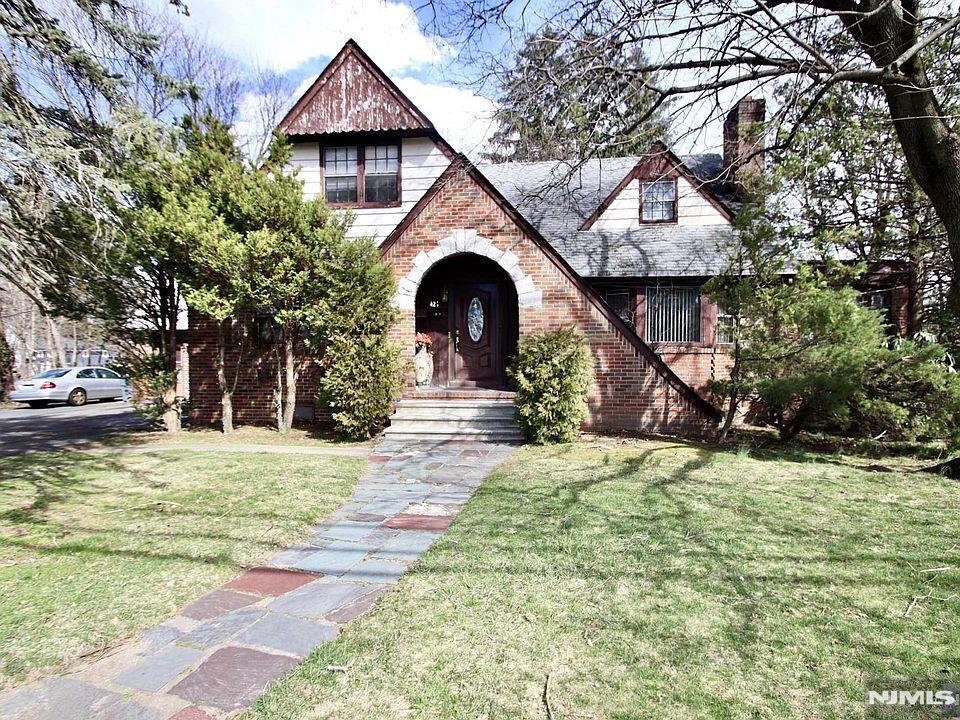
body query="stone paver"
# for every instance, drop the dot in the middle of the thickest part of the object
(269, 581)
(215, 603)
(160, 668)
(191, 713)
(410, 521)
(288, 634)
(376, 571)
(218, 630)
(232, 678)
(224, 649)
(317, 599)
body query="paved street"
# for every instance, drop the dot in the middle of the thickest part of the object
(61, 426)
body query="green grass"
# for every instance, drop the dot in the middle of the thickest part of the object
(657, 580)
(245, 435)
(94, 546)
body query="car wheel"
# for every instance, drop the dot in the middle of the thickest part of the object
(37, 403)
(77, 397)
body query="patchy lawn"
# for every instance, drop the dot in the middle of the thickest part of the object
(657, 580)
(94, 546)
(310, 436)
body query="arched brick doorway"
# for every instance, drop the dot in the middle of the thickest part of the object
(468, 305)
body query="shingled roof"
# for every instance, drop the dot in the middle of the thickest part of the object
(557, 198)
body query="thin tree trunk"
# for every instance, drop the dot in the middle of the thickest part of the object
(734, 401)
(171, 409)
(278, 391)
(226, 389)
(168, 348)
(56, 341)
(291, 373)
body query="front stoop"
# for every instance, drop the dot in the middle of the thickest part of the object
(460, 419)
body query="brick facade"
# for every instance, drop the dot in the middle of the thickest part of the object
(253, 400)
(630, 393)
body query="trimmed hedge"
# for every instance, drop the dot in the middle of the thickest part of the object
(552, 372)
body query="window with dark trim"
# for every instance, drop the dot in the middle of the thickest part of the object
(362, 174)
(381, 165)
(621, 302)
(673, 315)
(658, 201)
(725, 326)
(267, 329)
(340, 174)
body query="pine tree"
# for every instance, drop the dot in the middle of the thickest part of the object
(559, 104)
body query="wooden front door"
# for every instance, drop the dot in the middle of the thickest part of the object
(476, 334)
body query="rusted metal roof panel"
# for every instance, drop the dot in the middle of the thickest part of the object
(352, 94)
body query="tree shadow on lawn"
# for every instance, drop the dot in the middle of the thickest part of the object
(759, 567)
(52, 482)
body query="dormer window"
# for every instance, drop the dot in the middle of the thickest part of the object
(658, 201)
(362, 175)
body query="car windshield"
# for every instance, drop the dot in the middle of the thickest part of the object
(58, 372)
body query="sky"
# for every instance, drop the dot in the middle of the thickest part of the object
(297, 38)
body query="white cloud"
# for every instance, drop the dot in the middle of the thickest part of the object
(284, 34)
(462, 117)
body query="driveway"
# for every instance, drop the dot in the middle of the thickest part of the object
(61, 426)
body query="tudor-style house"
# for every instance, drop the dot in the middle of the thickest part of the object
(485, 254)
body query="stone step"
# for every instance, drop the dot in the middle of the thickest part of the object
(443, 413)
(443, 425)
(443, 419)
(504, 436)
(461, 403)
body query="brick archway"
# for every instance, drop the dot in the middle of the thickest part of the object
(461, 242)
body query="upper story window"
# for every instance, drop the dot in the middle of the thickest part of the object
(673, 315)
(658, 201)
(340, 169)
(381, 166)
(362, 174)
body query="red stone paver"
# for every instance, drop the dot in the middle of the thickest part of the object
(270, 581)
(409, 521)
(216, 603)
(191, 713)
(232, 678)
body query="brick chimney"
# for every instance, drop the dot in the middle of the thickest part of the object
(744, 137)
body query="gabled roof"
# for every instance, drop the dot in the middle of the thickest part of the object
(559, 198)
(660, 162)
(353, 94)
(462, 164)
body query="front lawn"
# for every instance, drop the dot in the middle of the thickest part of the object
(657, 580)
(94, 546)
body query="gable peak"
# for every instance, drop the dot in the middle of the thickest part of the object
(353, 94)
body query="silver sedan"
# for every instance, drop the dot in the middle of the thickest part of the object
(74, 386)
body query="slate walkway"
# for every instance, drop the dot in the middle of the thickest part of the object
(222, 651)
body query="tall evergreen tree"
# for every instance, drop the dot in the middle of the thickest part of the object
(560, 103)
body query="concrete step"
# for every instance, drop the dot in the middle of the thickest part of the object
(441, 425)
(442, 413)
(443, 419)
(506, 436)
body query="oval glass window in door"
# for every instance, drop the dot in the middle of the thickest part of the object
(475, 319)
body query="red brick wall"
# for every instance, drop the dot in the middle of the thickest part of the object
(628, 393)
(253, 400)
